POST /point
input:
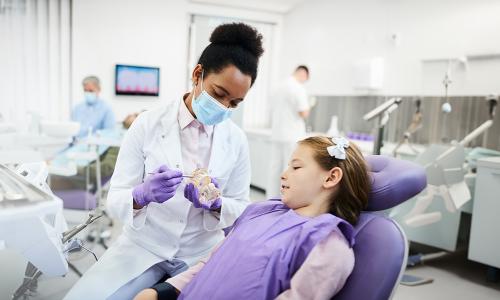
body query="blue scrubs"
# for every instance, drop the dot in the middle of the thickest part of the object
(97, 116)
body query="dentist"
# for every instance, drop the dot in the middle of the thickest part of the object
(166, 229)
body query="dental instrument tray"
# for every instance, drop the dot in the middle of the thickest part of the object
(15, 190)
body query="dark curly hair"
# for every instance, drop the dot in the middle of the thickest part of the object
(233, 44)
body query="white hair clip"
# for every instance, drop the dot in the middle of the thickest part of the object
(338, 150)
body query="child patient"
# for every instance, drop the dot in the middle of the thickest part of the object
(296, 248)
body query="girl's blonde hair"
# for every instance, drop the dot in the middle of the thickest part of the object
(352, 195)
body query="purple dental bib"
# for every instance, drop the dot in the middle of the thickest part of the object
(268, 244)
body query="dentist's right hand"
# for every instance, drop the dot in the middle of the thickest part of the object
(158, 187)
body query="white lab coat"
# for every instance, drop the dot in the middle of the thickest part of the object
(289, 99)
(174, 229)
(288, 127)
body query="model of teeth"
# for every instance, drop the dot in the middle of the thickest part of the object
(206, 189)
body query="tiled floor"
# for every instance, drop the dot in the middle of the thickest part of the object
(454, 276)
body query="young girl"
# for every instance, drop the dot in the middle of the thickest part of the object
(296, 248)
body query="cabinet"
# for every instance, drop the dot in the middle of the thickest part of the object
(484, 246)
(259, 143)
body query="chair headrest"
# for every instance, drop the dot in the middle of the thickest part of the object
(393, 181)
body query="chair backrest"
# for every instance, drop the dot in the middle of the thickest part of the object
(80, 199)
(381, 248)
(77, 199)
(380, 256)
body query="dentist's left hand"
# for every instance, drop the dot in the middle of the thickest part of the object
(158, 187)
(191, 193)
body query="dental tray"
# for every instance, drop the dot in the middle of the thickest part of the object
(15, 190)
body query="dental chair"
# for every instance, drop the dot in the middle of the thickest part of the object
(81, 200)
(77, 199)
(381, 247)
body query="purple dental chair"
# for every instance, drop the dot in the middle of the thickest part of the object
(381, 248)
(80, 199)
(77, 199)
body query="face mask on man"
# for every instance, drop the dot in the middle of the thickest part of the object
(90, 97)
(208, 110)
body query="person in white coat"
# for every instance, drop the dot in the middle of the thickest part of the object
(166, 227)
(290, 108)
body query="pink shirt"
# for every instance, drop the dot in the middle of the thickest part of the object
(322, 275)
(196, 140)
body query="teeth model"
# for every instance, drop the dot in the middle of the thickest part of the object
(206, 189)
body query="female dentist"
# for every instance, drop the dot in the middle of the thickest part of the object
(165, 226)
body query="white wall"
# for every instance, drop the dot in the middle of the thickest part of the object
(149, 32)
(140, 32)
(332, 35)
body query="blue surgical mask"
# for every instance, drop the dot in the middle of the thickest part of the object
(208, 110)
(90, 97)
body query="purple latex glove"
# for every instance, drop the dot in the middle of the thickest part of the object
(158, 187)
(191, 193)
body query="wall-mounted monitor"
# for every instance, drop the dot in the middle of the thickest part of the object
(137, 80)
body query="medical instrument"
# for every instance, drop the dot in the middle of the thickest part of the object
(93, 215)
(16, 191)
(446, 175)
(492, 104)
(446, 107)
(415, 125)
(32, 273)
(29, 206)
(37, 218)
(185, 176)
(447, 181)
(382, 112)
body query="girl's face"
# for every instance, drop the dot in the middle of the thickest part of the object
(304, 181)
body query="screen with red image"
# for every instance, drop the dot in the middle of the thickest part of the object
(137, 80)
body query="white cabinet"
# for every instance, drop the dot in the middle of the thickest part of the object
(259, 142)
(484, 245)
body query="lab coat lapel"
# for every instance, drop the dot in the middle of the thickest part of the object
(169, 137)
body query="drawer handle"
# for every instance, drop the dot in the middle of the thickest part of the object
(497, 173)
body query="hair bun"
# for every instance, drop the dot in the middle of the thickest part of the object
(238, 34)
